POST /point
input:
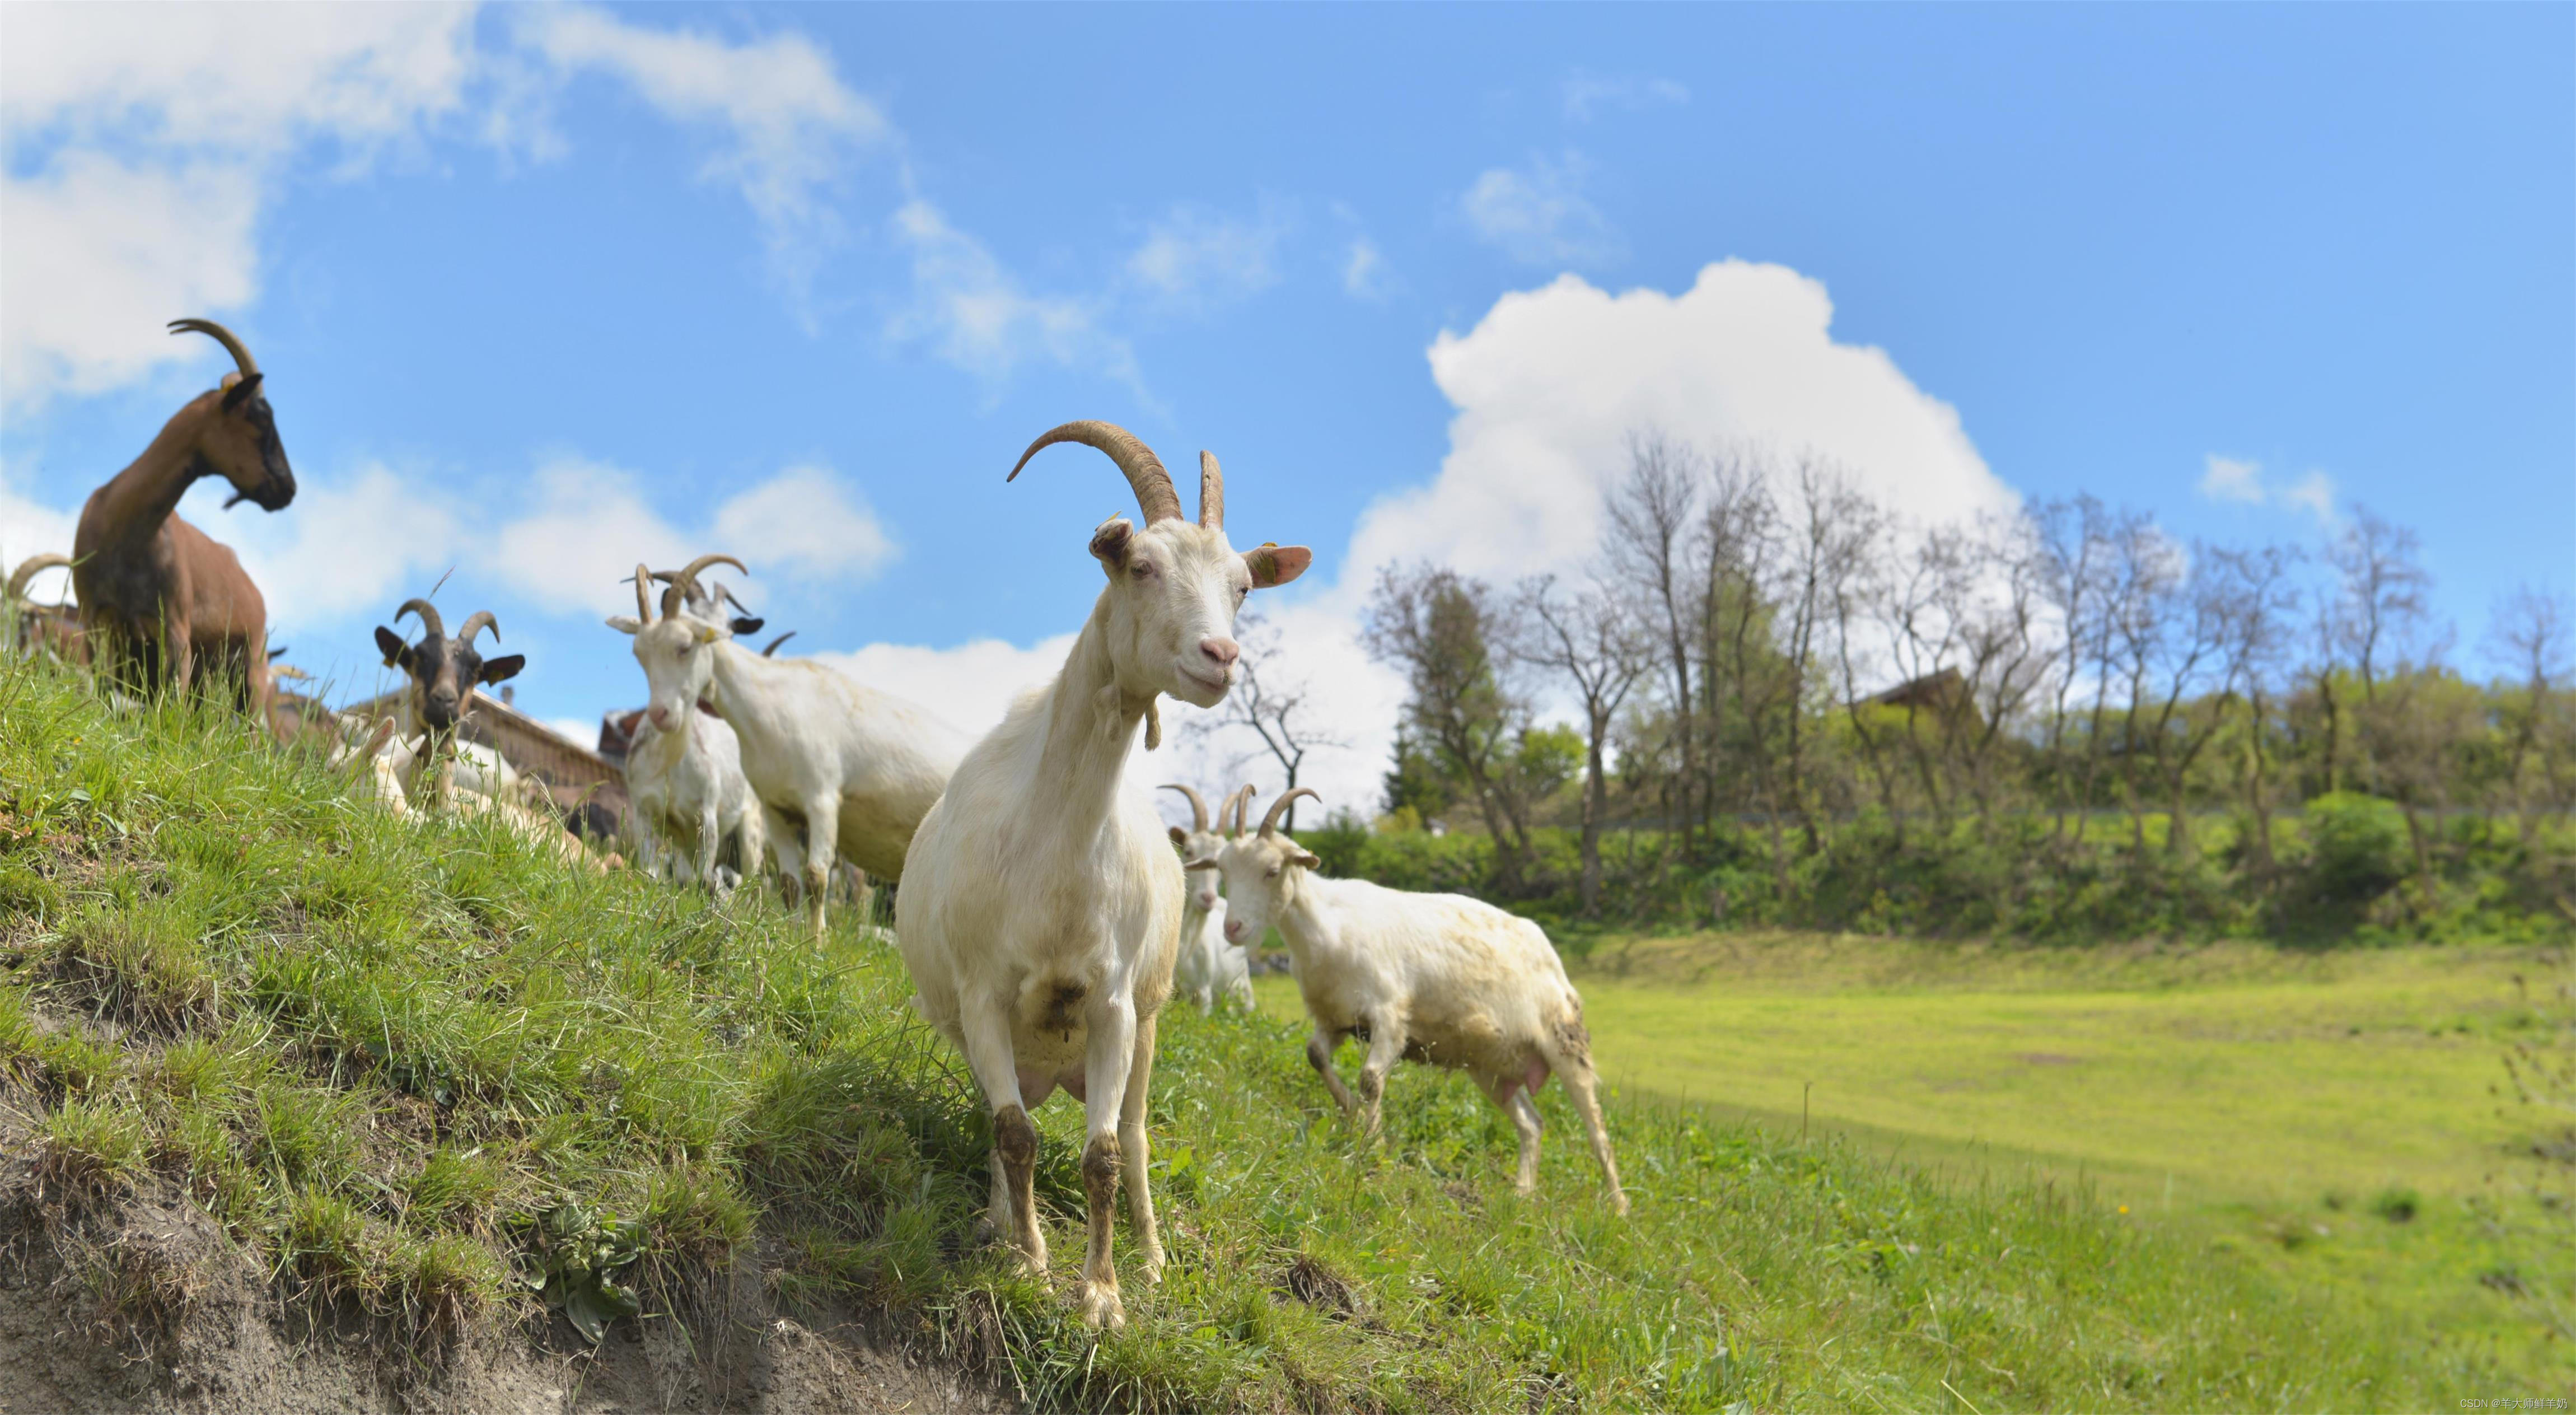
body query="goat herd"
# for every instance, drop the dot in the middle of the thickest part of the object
(1041, 906)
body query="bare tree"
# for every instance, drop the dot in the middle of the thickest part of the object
(1440, 627)
(1649, 517)
(2527, 636)
(1271, 703)
(1586, 636)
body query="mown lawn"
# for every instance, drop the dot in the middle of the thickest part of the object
(432, 1078)
(2326, 1116)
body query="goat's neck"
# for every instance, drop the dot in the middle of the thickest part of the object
(1089, 720)
(1305, 919)
(136, 501)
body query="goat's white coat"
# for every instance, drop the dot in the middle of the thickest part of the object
(1436, 978)
(688, 790)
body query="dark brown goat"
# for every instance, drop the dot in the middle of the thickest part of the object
(49, 629)
(444, 671)
(164, 604)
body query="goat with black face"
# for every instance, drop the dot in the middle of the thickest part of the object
(444, 672)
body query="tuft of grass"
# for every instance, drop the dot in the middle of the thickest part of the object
(91, 1150)
(424, 1074)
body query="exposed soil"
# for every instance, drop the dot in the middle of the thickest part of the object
(146, 1307)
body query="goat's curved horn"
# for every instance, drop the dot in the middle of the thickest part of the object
(1145, 474)
(1198, 806)
(1278, 808)
(28, 569)
(643, 595)
(686, 579)
(428, 613)
(480, 619)
(1211, 492)
(232, 345)
(774, 643)
(1230, 819)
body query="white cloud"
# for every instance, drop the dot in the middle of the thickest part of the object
(970, 686)
(790, 125)
(140, 156)
(1541, 217)
(1197, 259)
(1364, 273)
(974, 314)
(348, 546)
(2231, 479)
(808, 522)
(30, 528)
(584, 730)
(2242, 481)
(1586, 93)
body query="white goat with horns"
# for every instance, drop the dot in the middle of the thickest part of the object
(851, 767)
(1041, 908)
(1437, 978)
(1210, 968)
(684, 773)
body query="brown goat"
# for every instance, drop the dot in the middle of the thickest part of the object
(49, 629)
(162, 602)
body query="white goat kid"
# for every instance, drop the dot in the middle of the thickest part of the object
(1041, 906)
(684, 773)
(848, 767)
(1437, 978)
(1210, 968)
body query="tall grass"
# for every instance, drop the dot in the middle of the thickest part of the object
(432, 1077)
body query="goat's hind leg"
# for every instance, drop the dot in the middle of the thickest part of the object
(1514, 1102)
(1569, 1054)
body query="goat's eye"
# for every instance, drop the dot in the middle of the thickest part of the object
(1142, 569)
(1271, 873)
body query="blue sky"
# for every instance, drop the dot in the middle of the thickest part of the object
(543, 291)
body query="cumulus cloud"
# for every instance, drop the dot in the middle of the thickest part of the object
(970, 686)
(808, 522)
(2237, 480)
(1364, 274)
(1586, 94)
(1540, 216)
(29, 527)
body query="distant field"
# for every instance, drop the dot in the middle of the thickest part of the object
(2277, 1103)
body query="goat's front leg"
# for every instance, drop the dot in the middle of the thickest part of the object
(1138, 1155)
(1319, 1054)
(708, 842)
(984, 1030)
(822, 838)
(1108, 1070)
(754, 832)
(1386, 1047)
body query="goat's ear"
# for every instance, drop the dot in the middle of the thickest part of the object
(1109, 543)
(1180, 836)
(745, 624)
(397, 653)
(1301, 857)
(238, 390)
(625, 623)
(384, 733)
(1273, 565)
(506, 666)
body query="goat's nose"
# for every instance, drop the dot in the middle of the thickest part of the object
(661, 718)
(1234, 930)
(1222, 650)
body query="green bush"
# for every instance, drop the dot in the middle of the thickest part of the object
(2356, 846)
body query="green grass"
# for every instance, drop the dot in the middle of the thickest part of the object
(433, 1078)
(2276, 1103)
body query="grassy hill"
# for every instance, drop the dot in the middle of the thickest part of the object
(442, 1091)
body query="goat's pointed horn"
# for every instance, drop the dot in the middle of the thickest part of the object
(686, 579)
(643, 594)
(28, 569)
(1145, 474)
(428, 613)
(476, 622)
(232, 345)
(1211, 492)
(1198, 805)
(774, 643)
(1278, 808)
(1230, 820)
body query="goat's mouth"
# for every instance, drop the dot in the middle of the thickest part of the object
(271, 496)
(1216, 686)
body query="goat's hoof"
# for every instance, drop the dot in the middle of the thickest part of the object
(1099, 1305)
(1619, 1203)
(1152, 1267)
